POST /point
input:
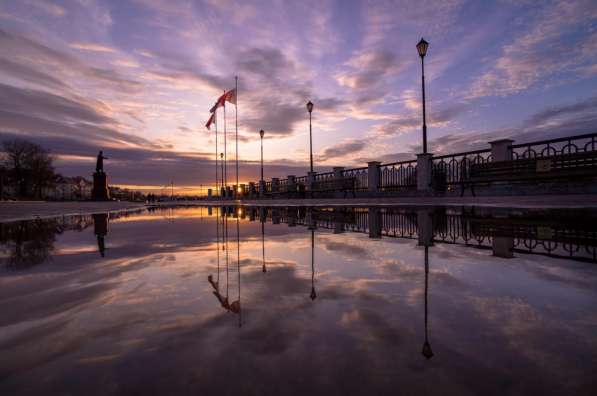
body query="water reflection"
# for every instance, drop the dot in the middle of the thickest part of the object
(222, 223)
(307, 300)
(100, 227)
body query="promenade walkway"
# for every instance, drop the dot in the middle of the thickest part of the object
(25, 210)
(13, 211)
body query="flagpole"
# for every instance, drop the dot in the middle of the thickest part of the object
(236, 125)
(225, 149)
(216, 122)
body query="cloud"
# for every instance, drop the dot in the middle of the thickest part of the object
(92, 47)
(50, 8)
(402, 123)
(342, 149)
(30, 52)
(542, 51)
(28, 74)
(367, 70)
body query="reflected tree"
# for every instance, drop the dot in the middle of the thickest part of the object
(28, 243)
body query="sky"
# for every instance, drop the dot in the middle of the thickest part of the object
(136, 79)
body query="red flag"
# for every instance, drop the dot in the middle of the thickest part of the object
(219, 103)
(230, 96)
(212, 120)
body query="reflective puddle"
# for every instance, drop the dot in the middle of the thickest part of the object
(254, 301)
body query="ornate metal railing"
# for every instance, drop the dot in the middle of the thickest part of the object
(301, 183)
(324, 177)
(555, 147)
(398, 175)
(360, 175)
(283, 185)
(454, 168)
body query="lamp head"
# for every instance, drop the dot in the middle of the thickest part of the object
(261, 133)
(309, 106)
(422, 47)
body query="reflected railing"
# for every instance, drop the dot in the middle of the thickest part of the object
(546, 235)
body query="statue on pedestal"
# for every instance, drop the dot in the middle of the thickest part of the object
(99, 165)
(100, 180)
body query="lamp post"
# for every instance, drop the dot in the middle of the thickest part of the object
(261, 133)
(422, 50)
(310, 109)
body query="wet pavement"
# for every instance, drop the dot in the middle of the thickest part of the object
(270, 301)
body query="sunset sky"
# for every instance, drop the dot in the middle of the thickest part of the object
(137, 79)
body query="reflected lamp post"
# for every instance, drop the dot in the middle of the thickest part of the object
(422, 50)
(310, 110)
(261, 133)
(426, 350)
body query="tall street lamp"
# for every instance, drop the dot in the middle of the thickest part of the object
(261, 133)
(310, 109)
(422, 50)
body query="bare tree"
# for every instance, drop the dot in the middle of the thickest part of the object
(29, 167)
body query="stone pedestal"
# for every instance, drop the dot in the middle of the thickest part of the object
(100, 187)
(501, 150)
(503, 247)
(424, 168)
(375, 223)
(373, 176)
(311, 180)
(425, 227)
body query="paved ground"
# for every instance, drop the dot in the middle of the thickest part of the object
(12, 211)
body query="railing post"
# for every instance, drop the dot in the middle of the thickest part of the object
(503, 246)
(373, 176)
(338, 173)
(228, 192)
(275, 184)
(275, 216)
(501, 150)
(209, 193)
(425, 227)
(243, 189)
(311, 180)
(424, 167)
(222, 193)
(291, 185)
(252, 191)
(261, 188)
(375, 223)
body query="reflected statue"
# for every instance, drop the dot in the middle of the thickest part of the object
(426, 351)
(100, 228)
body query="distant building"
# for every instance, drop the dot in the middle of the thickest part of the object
(69, 189)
